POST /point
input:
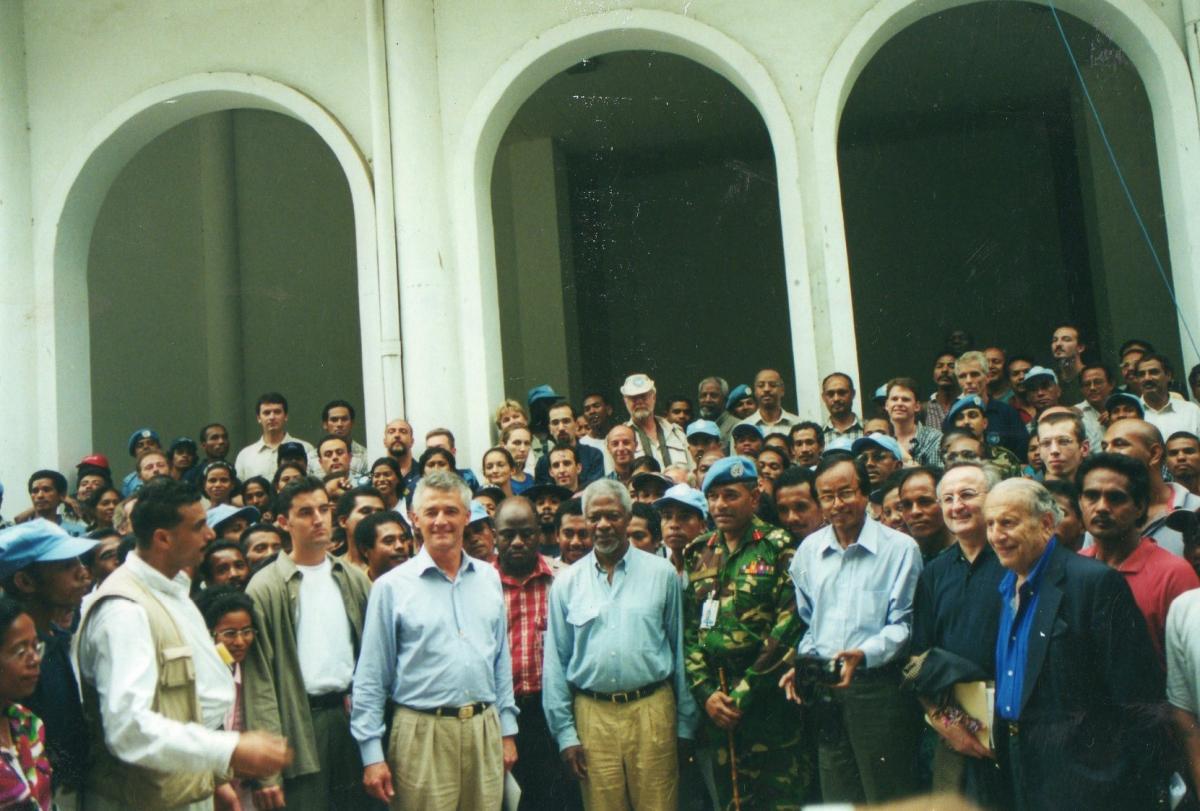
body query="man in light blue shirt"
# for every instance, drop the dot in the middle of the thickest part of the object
(613, 684)
(855, 580)
(435, 643)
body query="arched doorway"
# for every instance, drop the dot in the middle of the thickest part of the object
(1150, 48)
(631, 194)
(978, 194)
(64, 232)
(224, 256)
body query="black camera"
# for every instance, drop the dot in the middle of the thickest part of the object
(814, 676)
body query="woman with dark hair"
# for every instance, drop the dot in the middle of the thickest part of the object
(101, 505)
(24, 768)
(386, 478)
(436, 459)
(229, 615)
(287, 473)
(256, 493)
(498, 468)
(219, 483)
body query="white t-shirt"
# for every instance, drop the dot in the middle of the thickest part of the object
(323, 641)
(1183, 652)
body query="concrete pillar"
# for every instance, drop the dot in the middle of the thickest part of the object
(433, 372)
(222, 274)
(19, 454)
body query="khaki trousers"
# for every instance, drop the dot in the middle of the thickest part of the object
(446, 764)
(632, 753)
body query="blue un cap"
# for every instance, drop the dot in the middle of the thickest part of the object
(225, 512)
(478, 512)
(703, 428)
(140, 434)
(686, 495)
(738, 392)
(961, 405)
(1122, 397)
(38, 541)
(842, 444)
(883, 441)
(542, 392)
(730, 470)
(747, 428)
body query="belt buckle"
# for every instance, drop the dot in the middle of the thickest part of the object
(466, 712)
(1014, 728)
(620, 698)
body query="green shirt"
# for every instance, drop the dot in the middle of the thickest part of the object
(756, 626)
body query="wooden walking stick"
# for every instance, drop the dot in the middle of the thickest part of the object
(737, 800)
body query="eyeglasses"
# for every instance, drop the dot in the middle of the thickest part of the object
(27, 652)
(233, 634)
(964, 496)
(845, 496)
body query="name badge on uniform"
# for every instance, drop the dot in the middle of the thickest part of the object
(708, 613)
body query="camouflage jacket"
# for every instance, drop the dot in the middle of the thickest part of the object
(756, 627)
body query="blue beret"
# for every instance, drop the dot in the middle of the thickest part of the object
(961, 405)
(738, 392)
(140, 434)
(38, 541)
(730, 470)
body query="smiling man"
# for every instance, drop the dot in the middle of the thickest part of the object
(1078, 685)
(435, 655)
(740, 625)
(605, 707)
(922, 513)
(1166, 413)
(309, 607)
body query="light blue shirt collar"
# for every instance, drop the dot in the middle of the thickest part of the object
(868, 538)
(425, 563)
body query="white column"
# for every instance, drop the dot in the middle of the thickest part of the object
(222, 277)
(19, 454)
(433, 368)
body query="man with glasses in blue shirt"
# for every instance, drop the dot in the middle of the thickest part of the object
(613, 685)
(855, 580)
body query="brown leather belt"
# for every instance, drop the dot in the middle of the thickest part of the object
(461, 713)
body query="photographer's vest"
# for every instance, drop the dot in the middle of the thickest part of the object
(174, 697)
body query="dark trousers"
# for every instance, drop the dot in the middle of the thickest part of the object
(338, 785)
(539, 770)
(867, 749)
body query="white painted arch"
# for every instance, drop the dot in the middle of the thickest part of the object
(1160, 62)
(492, 111)
(64, 230)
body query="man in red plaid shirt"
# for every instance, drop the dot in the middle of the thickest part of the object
(526, 577)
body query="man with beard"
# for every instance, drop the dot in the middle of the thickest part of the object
(656, 437)
(837, 391)
(40, 567)
(711, 397)
(310, 608)
(739, 630)
(398, 442)
(945, 391)
(605, 707)
(1067, 347)
(1183, 460)
(546, 499)
(526, 577)
(771, 417)
(1004, 426)
(922, 512)
(570, 531)
(562, 435)
(223, 564)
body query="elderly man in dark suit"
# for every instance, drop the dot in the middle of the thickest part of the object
(1079, 693)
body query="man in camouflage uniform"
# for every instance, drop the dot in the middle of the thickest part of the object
(968, 414)
(740, 618)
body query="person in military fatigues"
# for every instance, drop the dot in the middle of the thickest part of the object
(740, 618)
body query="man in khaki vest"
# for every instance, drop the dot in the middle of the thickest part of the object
(155, 691)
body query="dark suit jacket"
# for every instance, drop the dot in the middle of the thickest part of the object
(590, 458)
(1093, 715)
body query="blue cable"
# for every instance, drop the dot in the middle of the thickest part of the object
(1162, 273)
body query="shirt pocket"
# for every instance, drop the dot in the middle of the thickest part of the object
(870, 607)
(583, 614)
(176, 668)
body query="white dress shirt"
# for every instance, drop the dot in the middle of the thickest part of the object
(1176, 415)
(261, 459)
(781, 426)
(117, 654)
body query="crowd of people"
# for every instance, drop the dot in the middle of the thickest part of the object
(985, 589)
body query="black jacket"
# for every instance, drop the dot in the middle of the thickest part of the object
(1093, 717)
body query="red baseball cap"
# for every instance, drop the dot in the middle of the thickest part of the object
(95, 460)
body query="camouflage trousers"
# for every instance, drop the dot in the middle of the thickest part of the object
(775, 766)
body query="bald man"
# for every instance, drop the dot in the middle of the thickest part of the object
(771, 417)
(398, 441)
(1141, 440)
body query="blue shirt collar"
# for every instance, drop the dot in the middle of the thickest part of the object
(1008, 584)
(425, 563)
(868, 538)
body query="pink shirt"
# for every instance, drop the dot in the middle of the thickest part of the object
(1156, 577)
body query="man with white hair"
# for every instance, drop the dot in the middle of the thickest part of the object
(617, 716)
(1078, 685)
(435, 647)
